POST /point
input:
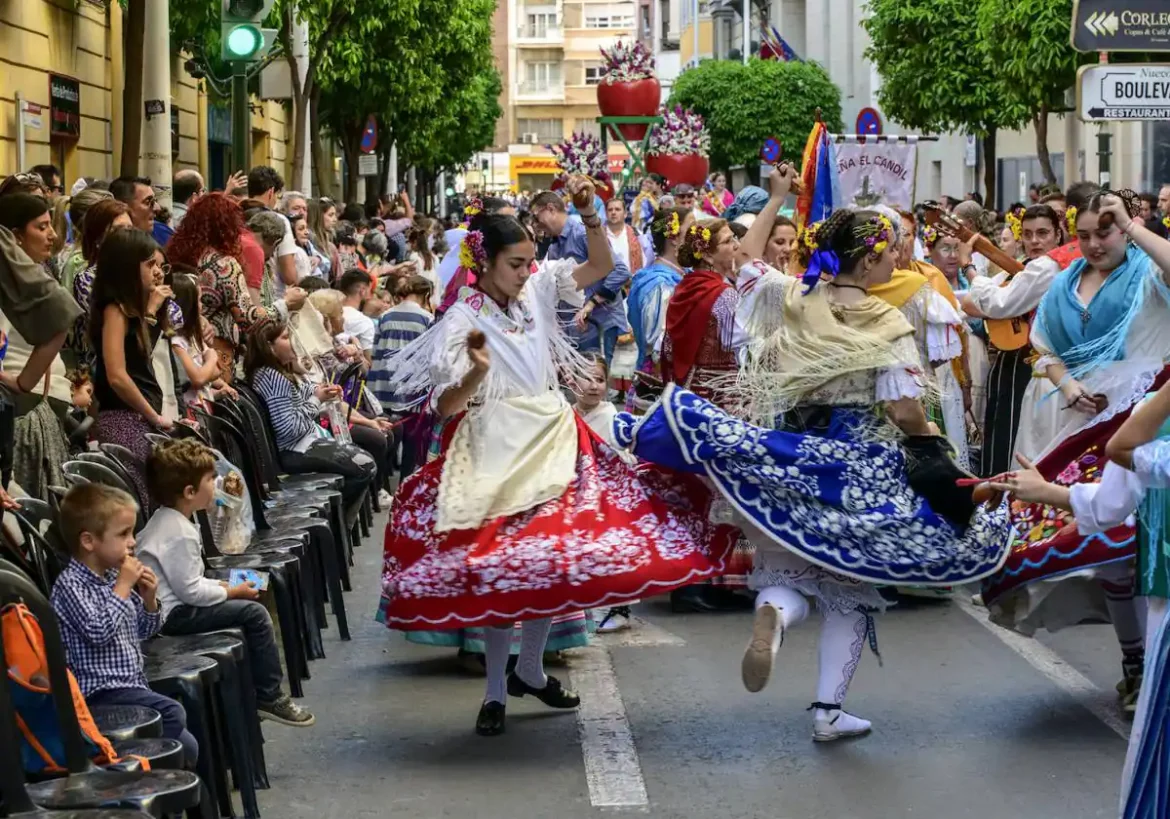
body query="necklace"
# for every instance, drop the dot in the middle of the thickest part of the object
(851, 286)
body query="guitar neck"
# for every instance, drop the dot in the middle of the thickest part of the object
(987, 248)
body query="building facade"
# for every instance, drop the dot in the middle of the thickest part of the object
(831, 33)
(59, 58)
(548, 55)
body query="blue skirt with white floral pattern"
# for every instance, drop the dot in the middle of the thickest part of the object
(840, 498)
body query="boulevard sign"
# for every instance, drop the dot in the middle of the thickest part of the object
(1121, 25)
(1136, 91)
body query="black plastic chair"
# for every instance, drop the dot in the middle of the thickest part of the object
(86, 786)
(327, 556)
(47, 559)
(91, 472)
(234, 700)
(191, 680)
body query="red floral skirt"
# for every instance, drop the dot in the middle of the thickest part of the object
(618, 533)
(1045, 540)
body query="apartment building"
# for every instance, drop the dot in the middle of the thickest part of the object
(548, 52)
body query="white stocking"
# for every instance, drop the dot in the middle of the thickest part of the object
(530, 665)
(792, 604)
(842, 640)
(498, 647)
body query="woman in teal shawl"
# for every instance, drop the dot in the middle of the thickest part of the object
(1103, 335)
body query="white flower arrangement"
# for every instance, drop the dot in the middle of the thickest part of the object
(681, 132)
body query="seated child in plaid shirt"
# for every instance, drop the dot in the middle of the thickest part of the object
(106, 603)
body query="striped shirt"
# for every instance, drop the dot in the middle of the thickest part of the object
(293, 408)
(396, 329)
(101, 631)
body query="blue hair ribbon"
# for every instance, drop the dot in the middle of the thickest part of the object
(822, 261)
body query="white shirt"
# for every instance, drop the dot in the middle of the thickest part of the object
(620, 245)
(360, 326)
(169, 545)
(288, 246)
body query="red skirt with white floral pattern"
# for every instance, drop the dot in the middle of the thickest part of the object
(617, 534)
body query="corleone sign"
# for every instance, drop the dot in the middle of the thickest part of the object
(1135, 91)
(64, 107)
(1121, 25)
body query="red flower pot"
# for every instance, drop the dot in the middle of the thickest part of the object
(639, 98)
(676, 168)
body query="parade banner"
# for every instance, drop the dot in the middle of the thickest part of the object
(875, 171)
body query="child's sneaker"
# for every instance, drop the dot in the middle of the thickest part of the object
(285, 711)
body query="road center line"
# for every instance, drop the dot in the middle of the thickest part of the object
(1049, 663)
(612, 769)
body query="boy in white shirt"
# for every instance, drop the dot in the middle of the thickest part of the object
(181, 477)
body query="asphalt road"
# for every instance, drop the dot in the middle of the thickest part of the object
(968, 723)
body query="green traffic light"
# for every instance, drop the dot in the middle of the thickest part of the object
(243, 41)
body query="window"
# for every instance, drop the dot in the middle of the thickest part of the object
(539, 24)
(593, 74)
(609, 21)
(540, 77)
(547, 131)
(588, 127)
(644, 23)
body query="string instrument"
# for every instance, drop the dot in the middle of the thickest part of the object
(1005, 334)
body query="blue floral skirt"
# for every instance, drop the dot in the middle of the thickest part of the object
(839, 498)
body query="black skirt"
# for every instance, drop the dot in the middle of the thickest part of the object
(1007, 379)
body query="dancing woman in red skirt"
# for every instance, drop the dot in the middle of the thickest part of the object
(528, 515)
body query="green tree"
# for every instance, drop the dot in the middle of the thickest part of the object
(744, 105)
(1028, 40)
(939, 75)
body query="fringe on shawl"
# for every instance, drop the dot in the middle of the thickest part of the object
(437, 361)
(787, 360)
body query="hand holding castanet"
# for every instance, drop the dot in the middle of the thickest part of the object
(477, 351)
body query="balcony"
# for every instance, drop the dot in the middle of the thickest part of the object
(536, 92)
(540, 36)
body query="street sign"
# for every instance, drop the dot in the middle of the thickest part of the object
(1134, 91)
(771, 152)
(31, 115)
(1121, 25)
(370, 136)
(367, 165)
(869, 122)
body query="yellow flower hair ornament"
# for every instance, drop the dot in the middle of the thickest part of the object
(674, 227)
(1166, 222)
(1013, 219)
(876, 232)
(930, 236)
(1070, 216)
(700, 239)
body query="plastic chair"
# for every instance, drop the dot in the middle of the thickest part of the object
(85, 786)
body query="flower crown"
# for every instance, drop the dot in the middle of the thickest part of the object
(1014, 219)
(930, 236)
(471, 252)
(473, 208)
(674, 226)
(876, 233)
(700, 239)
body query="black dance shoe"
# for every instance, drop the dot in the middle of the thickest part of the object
(490, 722)
(691, 600)
(553, 694)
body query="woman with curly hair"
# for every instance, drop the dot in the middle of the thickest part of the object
(819, 476)
(209, 239)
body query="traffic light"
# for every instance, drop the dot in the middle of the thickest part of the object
(242, 37)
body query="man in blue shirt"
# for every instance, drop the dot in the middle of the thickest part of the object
(599, 323)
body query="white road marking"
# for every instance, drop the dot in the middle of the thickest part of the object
(1049, 663)
(612, 768)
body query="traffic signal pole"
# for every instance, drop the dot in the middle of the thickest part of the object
(241, 118)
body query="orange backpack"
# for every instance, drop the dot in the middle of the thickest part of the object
(43, 750)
